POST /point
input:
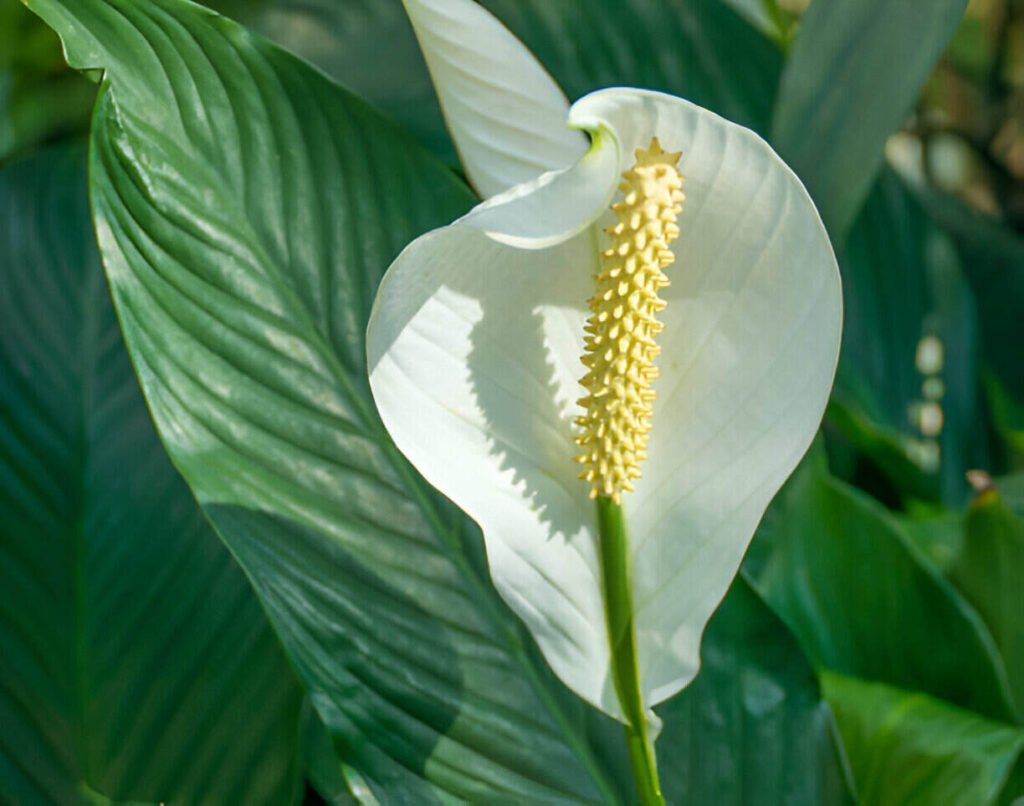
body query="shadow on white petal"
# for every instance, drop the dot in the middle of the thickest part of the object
(515, 399)
(474, 354)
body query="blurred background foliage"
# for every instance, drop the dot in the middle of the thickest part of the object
(893, 562)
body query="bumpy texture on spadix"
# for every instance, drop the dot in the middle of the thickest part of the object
(620, 346)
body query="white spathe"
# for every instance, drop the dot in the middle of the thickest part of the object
(474, 350)
(505, 113)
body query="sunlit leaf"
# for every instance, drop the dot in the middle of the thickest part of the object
(243, 294)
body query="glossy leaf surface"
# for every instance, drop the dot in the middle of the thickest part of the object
(908, 749)
(244, 294)
(136, 662)
(752, 728)
(832, 547)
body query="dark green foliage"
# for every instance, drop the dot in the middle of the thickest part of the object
(136, 661)
(246, 209)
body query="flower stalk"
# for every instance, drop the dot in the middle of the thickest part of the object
(615, 566)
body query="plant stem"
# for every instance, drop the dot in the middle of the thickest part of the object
(618, 597)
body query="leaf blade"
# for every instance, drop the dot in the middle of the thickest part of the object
(247, 337)
(832, 546)
(134, 650)
(908, 748)
(840, 98)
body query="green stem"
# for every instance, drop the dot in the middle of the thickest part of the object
(618, 597)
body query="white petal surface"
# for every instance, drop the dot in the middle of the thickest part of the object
(555, 206)
(505, 113)
(473, 349)
(749, 352)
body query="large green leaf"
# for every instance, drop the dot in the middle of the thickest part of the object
(751, 729)
(908, 749)
(864, 603)
(852, 76)
(243, 293)
(903, 293)
(136, 661)
(247, 209)
(989, 571)
(700, 50)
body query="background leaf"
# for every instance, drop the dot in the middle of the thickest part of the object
(852, 76)
(367, 46)
(907, 392)
(136, 662)
(907, 749)
(988, 571)
(40, 99)
(751, 728)
(839, 568)
(993, 259)
(671, 47)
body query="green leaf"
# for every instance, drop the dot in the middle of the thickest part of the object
(136, 660)
(767, 16)
(988, 572)
(367, 46)
(700, 50)
(1011, 490)
(244, 293)
(1013, 791)
(993, 261)
(756, 689)
(907, 391)
(325, 772)
(864, 603)
(908, 749)
(852, 76)
(939, 534)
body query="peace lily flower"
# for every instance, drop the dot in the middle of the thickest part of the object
(588, 331)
